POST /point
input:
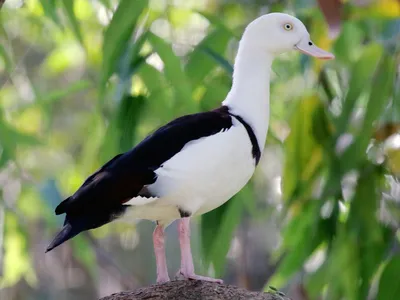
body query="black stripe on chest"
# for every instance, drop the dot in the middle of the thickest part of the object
(253, 139)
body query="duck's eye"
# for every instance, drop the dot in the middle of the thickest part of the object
(288, 26)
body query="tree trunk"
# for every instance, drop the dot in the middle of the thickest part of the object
(193, 289)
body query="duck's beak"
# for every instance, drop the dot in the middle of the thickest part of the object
(307, 47)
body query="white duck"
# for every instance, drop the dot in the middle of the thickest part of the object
(197, 162)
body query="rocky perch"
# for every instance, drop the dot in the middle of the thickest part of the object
(193, 289)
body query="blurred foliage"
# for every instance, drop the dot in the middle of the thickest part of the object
(84, 80)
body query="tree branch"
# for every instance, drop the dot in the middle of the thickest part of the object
(193, 289)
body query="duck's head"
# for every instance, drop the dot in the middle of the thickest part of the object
(277, 33)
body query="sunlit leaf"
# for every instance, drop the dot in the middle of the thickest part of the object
(303, 153)
(179, 17)
(207, 55)
(117, 35)
(378, 99)
(173, 71)
(69, 9)
(17, 263)
(161, 99)
(153, 78)
(32, 206)
(381, 8)
(348, 46)
(50, 9)
(10, 138)
(361, 75)
(217, 22)
(393, 160)
(130, 63)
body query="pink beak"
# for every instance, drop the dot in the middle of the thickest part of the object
(308, 47)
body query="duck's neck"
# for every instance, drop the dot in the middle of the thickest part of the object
(249, 95)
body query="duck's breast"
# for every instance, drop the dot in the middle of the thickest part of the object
(206, 172)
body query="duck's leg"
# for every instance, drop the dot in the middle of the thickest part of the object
(159, 250)
(187, 267)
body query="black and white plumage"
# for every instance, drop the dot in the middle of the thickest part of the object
(133, 177)
(196, 162)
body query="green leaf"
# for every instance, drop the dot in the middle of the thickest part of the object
(347, 46)
(301, 237)
(345, 255)
(374, 252)
(321, 129)
(338, 276)
(161, 97)
(303, 153)
(6, 58)
(362, 215)
(218, 226)
(373, 238)
(378, 100)
(50, 10)
(17, 262)
(128, 118)
(106, 3)
(215, 91)
(202, 60)
(174, 73)
(152, 78)
(69, 9)
(361, 75)
(121, 132)
(10, 138)
(362, 222)
(389, 287)
(57, 95)
(90, 156)
(130, 63)
(21, 138)
(226, 65)
(217, 22)
(117, 35)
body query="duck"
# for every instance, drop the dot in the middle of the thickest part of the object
(196, 162)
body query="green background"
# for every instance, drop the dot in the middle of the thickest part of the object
(83, 80)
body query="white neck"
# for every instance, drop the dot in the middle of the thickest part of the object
(249, 95)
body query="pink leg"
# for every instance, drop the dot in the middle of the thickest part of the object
(187, 268)
(159, 250)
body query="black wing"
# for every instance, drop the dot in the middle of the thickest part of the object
(124, 176)
(100, 198)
